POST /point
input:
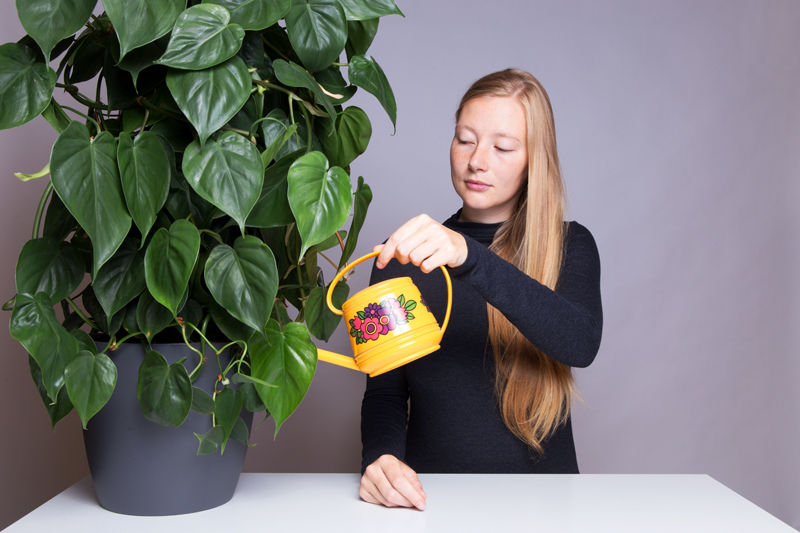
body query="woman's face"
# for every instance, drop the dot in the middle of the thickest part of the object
(489, 158)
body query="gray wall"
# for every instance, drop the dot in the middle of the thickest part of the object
(678, 127)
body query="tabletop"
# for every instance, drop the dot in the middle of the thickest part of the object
(456, 502)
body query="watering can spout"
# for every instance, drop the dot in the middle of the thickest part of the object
(389, 324)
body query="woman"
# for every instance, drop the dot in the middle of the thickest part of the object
(526, 308)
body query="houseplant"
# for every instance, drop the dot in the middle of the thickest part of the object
(193, 199)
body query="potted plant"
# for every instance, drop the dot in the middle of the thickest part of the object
(191, 202)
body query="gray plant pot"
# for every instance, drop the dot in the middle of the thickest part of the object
(142, 468)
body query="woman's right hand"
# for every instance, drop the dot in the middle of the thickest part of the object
(390, 482)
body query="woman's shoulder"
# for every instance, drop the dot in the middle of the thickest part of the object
(576, 231)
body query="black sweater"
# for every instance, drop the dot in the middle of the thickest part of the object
(455, 424)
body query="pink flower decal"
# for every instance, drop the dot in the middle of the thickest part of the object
(379, 319)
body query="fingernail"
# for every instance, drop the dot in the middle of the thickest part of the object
(421, 506)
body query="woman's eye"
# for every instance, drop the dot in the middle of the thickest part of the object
(502, 149)
(462, 141)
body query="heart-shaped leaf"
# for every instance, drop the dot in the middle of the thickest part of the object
(317, 30)
(58, 221)
(321, 321)
(151, 316)
(320, 198)
(202, 402)
(360, 34)
(138, 22)
(108, 324)
(85, 175)
(254, 14)
(141, 58)
(85, 341)
(272, 208)
(229, 326)
(25, 85)
(369, 9)
(363, 197)
(121, 279)
(228, 406)
(295, 136)
(55, 115)
(210, 440)
(286, 358)
(35, 326)
(144, 171)
(227, 172)
(293, 75)
(365, 72)
(239, 432)
(272, 149)
(210, 98)
(202, 37)
(164, 391)
(46, 266)
(90, 380)
(62, 405)
(354, 131)
(244, 280)
(169, 261)
(50, 21)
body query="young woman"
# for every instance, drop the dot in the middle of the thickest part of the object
(526, 308)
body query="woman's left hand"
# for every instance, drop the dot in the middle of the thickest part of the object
(425, 243)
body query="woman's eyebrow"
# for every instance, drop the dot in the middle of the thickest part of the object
(496, 134)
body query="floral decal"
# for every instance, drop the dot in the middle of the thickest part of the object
(379, 319)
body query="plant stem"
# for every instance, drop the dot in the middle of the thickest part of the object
(269, 85)
(39, 210)
(335, 64)
(329, 261)
(99, 112)
(143, 102)
(113, 344)
(87, 117)
(146, 116)
(72, 90)
(80, 314)
(310, 131)
(275, 49)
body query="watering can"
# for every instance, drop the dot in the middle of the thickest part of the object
(389, 324)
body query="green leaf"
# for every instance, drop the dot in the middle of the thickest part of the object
(202, 402)
(272, 208)
(210, 98)
(85, 175)
(139, 22)
(141, 58)
(239, 432)
(294, 75)
(241, 378)
(129, 318)
(178, 134)
(46, 266)
(85, 342)
(229, 326)
(332, 81)
(254, 14)
(22, 176)
(251, 400)
(365, 72)
(360, 34)
(90, 380)
(210, 440)
(56, 116)
(62, 405)
(144, 171)
(321, 321)
(26, 87)
(331, 241)
(50, 21)
(202, 38)
(287, 358)
(369, 9)
(169, 261)
(119, 83)
(363, 197)
(35, 326)
(354, 131)
(164, 391)
(108, 324)
(184, 202)
(317, 30)
(320, 198)
(272, 150)
(87, 54)
(121, 279)
(277, 125)
(227, 172)
(151, 316)
(226, 412)
(58, 221)
(244, 280)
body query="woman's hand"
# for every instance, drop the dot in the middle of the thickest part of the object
(390, 482)
(425, 243)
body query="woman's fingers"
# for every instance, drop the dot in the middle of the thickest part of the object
(390, 482)
(425, 243)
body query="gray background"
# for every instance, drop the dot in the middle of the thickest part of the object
(678, 127)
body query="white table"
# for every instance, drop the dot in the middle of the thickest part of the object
(466, 502)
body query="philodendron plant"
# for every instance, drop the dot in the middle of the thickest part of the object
(206, 176)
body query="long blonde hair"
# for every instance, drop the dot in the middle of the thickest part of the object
(534, 391)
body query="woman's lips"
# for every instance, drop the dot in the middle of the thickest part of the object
(477, 185)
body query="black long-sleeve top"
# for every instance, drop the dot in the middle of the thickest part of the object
(454, 424)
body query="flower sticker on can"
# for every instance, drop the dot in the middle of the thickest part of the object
(379, 319)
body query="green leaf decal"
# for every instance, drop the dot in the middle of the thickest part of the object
(254, 14)
(318, 31)
(321, 321)
(294, 75)
(151, 316)
(50, 21)
(46, 266)
(244, 279)
(202, 402)
(287, 358)
(272, 208)
(202, 38)
(369, 9)
(320, 198)
(62, 406)
(169, 261)
(365, 72)
(363, 197)
(210, 98)
(139, 22)
(90, 380)
(85, 176)
(121, 279)
(227, 172)
(25, 86)
(35, 326)
(144, 171)
(164, 391)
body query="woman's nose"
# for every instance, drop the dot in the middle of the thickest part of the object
(478, 159)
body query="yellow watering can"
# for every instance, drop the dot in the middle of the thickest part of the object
(389, 324)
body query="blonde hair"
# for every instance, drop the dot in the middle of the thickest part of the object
(534, 391)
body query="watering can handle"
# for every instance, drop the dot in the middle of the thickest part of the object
(374, 254)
